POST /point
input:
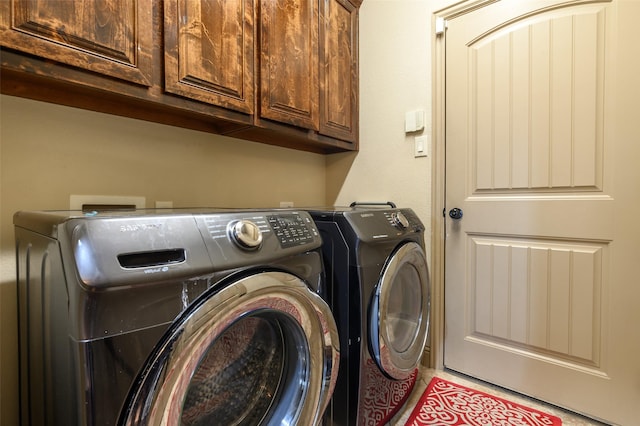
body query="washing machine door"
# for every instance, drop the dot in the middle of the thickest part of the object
(261, 351)
(399, 321)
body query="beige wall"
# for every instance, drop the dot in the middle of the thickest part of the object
(395, 77)
(48, 152)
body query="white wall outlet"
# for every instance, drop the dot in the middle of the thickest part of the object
(164, 204)
(106, 202)
(286, 204)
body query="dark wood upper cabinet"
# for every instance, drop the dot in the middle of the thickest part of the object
(308, 65)
(110, 37)
(209, 51)
(289, 62)
(339, 69)
(281, 72)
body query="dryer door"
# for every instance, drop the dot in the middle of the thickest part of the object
(261, 351)
(399, 321)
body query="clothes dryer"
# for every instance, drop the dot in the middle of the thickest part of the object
(379, 292)
(173, 317)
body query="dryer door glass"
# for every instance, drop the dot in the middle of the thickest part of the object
(263, 350)
(404, 308)
(400, 312)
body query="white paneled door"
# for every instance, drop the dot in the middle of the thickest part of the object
(542, 271)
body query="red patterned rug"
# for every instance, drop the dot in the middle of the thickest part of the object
(446, 403)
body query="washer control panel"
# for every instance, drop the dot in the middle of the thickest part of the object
(245, 230)
(292, 229)
(263, 232)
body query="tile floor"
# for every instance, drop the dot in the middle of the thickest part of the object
(568, 418)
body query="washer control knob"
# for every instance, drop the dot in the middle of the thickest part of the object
(399, 220)
(246, 234)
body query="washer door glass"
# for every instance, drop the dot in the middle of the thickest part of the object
(243, 372)
(261, 351)
(400, 312)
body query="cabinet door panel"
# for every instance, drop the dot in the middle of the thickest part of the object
(339, 70)
(209, 51)
(289, 62)
(110, 37)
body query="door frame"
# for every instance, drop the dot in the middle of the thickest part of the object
(438, 193)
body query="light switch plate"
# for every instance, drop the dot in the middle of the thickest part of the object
(421, 146)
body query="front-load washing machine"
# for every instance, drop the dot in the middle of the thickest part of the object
(379, 292)
(174, 318)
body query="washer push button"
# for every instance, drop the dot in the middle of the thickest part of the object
(290, 230)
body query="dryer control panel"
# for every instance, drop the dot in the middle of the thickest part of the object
(397, 219)
(375, 225)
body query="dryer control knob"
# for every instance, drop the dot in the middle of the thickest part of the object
(246, 234)
(399, 220)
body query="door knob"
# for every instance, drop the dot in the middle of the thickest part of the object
(455, 213)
